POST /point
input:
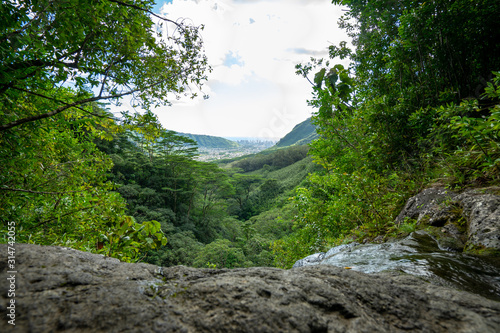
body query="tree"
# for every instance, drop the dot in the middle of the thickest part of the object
(410, 55)
(53, 182)
(104, 49)
(221, 253)
(58, 59)
(181, 249)
(386, 120)
(243, 185)
(211, 188)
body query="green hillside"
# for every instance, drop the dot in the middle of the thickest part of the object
(208, 141)
(301, 134)
(273, 158)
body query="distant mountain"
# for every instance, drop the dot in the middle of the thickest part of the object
(208, 141)
(301, 134)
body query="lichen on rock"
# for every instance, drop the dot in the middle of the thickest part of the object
(474, 213)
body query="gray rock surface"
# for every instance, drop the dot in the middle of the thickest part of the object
(419, 254)
(313, 259)
(59, 289)
(477, 210)
(428, 204)
(482, 212)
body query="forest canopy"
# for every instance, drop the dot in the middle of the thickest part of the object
(58, 61)
(102, 50)
(418, 104)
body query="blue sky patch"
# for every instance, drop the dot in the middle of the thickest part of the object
(233, 59)
(159, 4)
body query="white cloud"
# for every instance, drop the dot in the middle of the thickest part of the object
(253, 46)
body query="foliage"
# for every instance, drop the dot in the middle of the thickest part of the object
(110, 47)
(57, 59)
(397, 117)
(408, 226)
(243, 186)
(181, 249)
(53, 180)
(276, 159)
(221, 253)
(128, 239)
(473, 133)
(196, 203)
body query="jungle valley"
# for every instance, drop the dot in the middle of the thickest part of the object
(418, 105)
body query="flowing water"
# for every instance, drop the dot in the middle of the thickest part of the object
(419, 254)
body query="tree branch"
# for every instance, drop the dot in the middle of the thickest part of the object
(36, 192)
(55, 218)
(106, 72)
(41, 63)
(70, 105)
(62, 102)
(48, 114)
(147, 11)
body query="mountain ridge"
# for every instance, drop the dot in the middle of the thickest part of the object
(210, 141)
(302, 134)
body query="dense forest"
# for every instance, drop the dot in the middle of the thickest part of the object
(419, 104)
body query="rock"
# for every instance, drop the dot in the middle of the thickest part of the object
(482, 212)
(59, 289)
(340, 248)
(452, 239)
(419, 254)
(474, 210)
(427, 205)
(309, 260)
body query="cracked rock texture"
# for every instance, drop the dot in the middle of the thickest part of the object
(59, 289)
(477, 210)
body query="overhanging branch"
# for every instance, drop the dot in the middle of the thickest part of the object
(147, 11)
(36, 192)
(70, 105)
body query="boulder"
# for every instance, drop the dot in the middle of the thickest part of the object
(313, 259)
(430, 205)
(476, 211)
(482, 212)
(60, 289)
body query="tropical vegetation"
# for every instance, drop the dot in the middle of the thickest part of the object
(418, 104)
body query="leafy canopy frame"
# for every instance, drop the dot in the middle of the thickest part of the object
(103, 49)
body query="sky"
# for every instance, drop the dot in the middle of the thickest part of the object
(253, 47)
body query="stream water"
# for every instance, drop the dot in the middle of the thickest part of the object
(418, 254)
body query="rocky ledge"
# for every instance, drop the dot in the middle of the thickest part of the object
(59, 289)
(467, 221)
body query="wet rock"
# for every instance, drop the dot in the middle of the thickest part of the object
(309, 260)
(422, 255)
(66, 290)
(340, 248)
(475, 211)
